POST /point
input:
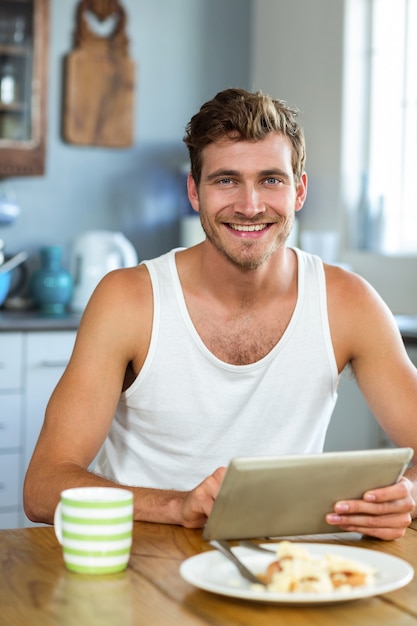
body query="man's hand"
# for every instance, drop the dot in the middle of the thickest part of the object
(197, 504)
(382, 513)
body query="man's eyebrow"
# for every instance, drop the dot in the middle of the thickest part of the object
(275, 172)
(233, 173)
(221, 172)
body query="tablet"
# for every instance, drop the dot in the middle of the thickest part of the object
(290, 495)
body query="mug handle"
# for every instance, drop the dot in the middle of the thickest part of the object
(57, 523)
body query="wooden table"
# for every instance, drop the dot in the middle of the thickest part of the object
(36, 589)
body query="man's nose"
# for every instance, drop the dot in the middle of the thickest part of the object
(249, 202)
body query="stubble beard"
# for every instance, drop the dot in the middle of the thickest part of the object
(242, 257)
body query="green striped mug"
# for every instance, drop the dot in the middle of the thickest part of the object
(94, 526)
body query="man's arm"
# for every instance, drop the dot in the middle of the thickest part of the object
(190, 509)
(365, 334)
(81, 408)
(114, 333)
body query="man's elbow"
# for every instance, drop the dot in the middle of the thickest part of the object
(33, 502)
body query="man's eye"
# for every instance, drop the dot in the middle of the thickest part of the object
(225, 181)
(271, 180)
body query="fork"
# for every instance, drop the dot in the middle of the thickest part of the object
(225, 549)
(255, 546)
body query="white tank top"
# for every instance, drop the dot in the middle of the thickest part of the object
(188, 412)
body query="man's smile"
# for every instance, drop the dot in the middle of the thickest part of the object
(248, 228)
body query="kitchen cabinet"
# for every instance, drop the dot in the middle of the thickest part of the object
(24, 26)
(11, 384)
(31, 364)
(47, 355)
(353, 427)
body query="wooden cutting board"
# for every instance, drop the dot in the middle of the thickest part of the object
(99, 81)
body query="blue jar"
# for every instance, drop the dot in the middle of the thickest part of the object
(51, 286)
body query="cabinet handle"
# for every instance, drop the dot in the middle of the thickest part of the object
(54, 363)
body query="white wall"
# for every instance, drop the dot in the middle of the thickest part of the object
(291, 48)
(298, 56)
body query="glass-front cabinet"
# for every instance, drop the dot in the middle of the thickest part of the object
(23, 77)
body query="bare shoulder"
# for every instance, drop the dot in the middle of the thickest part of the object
(358, 316)
(121, 282)
(122, 292)
(118, 317)
(346, 288)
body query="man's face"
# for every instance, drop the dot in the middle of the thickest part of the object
(247, 197)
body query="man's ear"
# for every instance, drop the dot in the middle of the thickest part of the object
(193, 193)
(301, 192)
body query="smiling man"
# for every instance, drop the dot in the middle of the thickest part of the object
(256, 205)
(233, 347)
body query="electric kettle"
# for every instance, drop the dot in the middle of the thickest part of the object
(94, 254)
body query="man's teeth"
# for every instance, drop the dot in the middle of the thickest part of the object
(248, 229)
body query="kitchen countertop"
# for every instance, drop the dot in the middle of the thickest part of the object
(30, 320)
(36, 589)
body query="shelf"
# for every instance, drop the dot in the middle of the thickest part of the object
(23, 114)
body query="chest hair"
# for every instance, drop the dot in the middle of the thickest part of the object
(241, 340)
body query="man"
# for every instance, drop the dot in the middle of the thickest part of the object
(232, 347)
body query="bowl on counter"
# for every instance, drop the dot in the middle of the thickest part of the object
(5, 281)
(7, 267)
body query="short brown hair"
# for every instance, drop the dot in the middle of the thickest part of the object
(243, 116)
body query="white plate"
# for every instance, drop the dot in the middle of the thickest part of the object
(211, 571)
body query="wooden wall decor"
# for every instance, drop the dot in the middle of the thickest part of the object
(99, 81)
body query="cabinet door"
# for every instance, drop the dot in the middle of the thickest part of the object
(11, 345)
(10, 420)
(11, 383)
(23, 62)
(9, 480)
(9, 519)
(47, 356)
(352, 427)
(10, 489)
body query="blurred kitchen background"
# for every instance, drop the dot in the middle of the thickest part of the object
(315, 54)
(184, 52)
